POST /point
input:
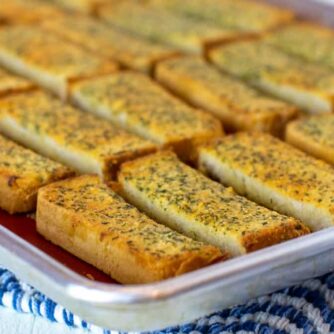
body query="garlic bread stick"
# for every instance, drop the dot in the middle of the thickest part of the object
(88, 219)
(135, 102)
(274, 174)
(239, 106)
(161, 26)
(309, 86)
(132, 52)
(61, 132)
(22, 173)
(47, 59)
(313, 135)
(241, 15)
(308, 41)
(187, 201)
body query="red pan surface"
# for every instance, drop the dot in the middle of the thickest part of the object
(25, 228)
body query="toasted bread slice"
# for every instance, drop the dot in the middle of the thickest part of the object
(88, 219)
(47, 59)
(26, 12)
(163, 27)
(22, 173)
(309, 86)
(135, 102)
(185, 200)
(274, 174)
(313, 135)
(61, 132)
(242, 15)
(10, 83)
(132, 52)
(308, 41)
(239, 106)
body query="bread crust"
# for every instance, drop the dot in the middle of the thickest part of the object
(120, 244)
(240, 107)
(183, 199)
(312, 143)
(22, 173)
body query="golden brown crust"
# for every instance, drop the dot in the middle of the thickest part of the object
(292, 229)
(22, 173)
(89, 220)
(239, 106)
(314, 136)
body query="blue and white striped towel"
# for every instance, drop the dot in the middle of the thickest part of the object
(304, 309)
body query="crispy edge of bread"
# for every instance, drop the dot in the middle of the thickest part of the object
(121, 264)
(270, 237)
(248, 243)
(185, 88)
(18, 199)
(296, 138)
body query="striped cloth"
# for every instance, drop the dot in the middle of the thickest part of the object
(303, 309)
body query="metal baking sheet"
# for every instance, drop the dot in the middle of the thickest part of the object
(96, 298)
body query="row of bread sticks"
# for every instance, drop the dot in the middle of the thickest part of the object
(82, 214)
